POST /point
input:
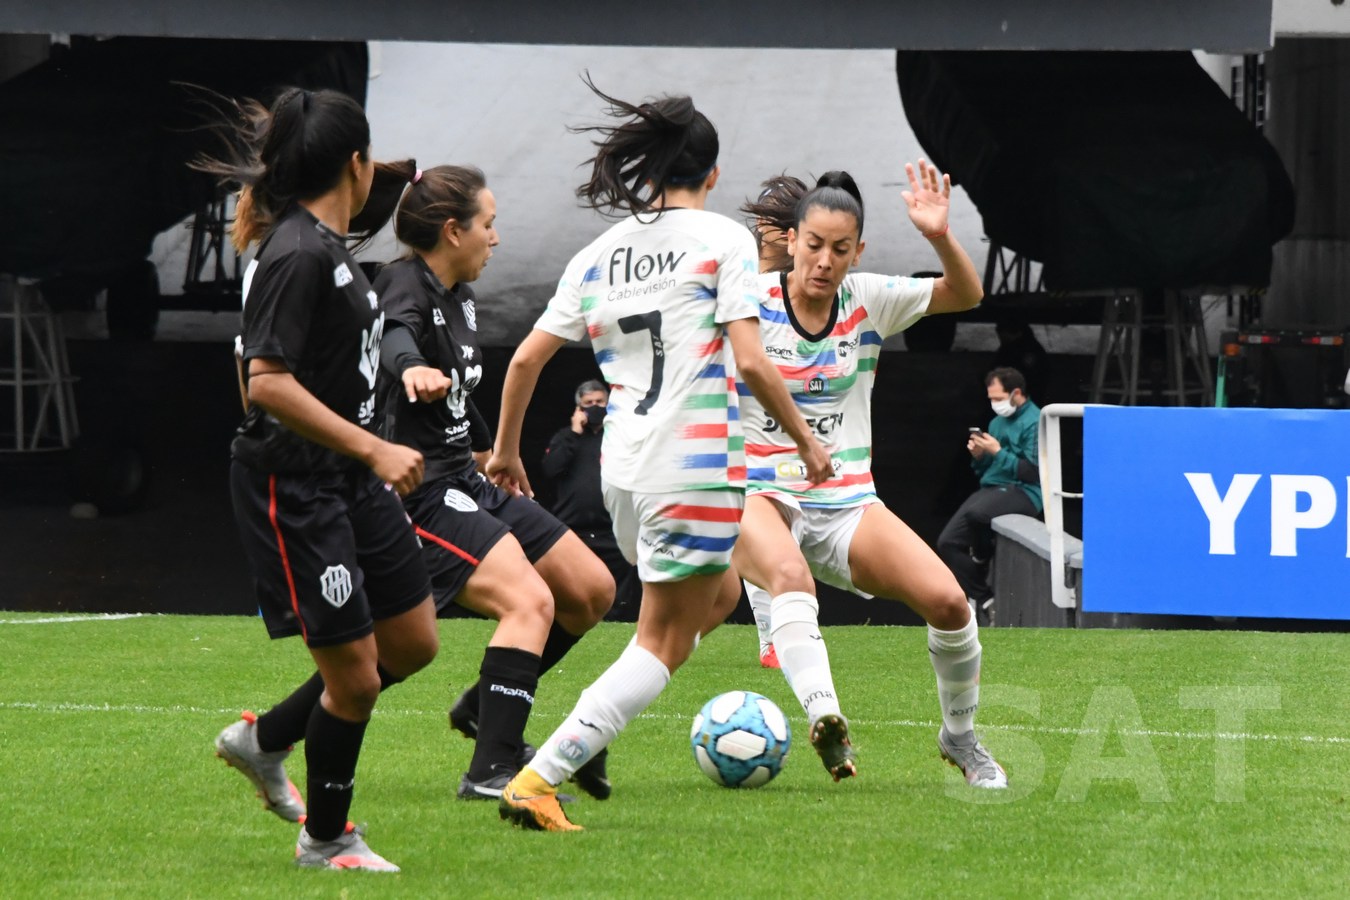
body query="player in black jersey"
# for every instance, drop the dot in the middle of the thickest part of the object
(332, 554)
(493, 552)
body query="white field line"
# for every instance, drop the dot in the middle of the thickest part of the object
(102, 617)
(1334, 740)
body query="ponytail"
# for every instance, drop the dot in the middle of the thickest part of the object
(775, 208)
(837, 192)
(661, 143)
(441, 194)
(296, 150)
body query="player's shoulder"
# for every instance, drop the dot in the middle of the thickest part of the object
(299, 239)
(400, 273)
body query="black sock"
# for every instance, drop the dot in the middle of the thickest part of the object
(331, 748)
(284, 725)
(506, 687)
(556, 647)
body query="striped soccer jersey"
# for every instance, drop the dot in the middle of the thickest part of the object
(654, 296)
(830, 376)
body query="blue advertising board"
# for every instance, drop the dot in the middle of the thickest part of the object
(1217, 512)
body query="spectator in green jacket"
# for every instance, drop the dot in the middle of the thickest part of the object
(1006, 459)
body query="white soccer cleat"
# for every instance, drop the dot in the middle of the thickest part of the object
(970, 756)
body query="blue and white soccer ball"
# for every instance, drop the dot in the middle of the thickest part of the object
(740, 739)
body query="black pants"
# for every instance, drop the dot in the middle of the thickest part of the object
(627, 587)
(969, 532)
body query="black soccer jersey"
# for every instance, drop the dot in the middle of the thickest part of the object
(444, 327)
(308, 304)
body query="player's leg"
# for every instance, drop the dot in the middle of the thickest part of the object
(760, 601)
(768, 554)
(682, 544)
(504, 587)
(887, 559)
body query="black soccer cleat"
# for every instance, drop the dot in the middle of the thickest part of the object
(592, 778)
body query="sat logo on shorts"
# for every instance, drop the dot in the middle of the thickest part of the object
(342, 276)
(460, 501)
(336, 584)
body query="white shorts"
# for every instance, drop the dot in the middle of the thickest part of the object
(673, 536)
(825, 535)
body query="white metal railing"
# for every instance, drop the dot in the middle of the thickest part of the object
(1062, 594)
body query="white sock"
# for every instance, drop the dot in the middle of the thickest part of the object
(625, 689)
(760, 600)
(802, 653)
(956, 660)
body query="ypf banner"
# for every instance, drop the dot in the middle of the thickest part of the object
(1217, 512)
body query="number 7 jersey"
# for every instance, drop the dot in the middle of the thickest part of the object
(830, 376)
(654, 295)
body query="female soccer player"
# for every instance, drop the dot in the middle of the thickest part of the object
(660, 294)
(327, 539)
(824, 327)
(498, 554)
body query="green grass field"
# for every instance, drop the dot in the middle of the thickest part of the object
(1142, 764)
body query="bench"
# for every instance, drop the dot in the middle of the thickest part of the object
(1021, 575)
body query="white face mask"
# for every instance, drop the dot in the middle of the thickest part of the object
(1002, 408)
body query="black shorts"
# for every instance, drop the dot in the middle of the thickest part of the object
(460, 517)
(331, 552)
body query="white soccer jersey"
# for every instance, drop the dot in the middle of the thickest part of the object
(654, 297)
(830, 376)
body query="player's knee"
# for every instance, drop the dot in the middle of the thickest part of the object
(353, 695)
(950, 611)
(531, 606)
(420, 652)
(791, 574)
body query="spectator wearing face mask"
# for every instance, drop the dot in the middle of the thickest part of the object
(572, 461)
(1006, 459)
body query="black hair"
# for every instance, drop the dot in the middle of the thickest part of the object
(835, 191)
(661, 143)
(440, 194)
(297, 150)
(1010, 378)
(775, 207)
(590, 386)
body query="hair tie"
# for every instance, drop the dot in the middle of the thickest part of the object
(417, 176)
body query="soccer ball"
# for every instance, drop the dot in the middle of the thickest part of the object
(740, 739)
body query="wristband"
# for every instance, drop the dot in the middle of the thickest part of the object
(937, 234)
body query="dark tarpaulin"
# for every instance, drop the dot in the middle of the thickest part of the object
(1112, 169)
(96, 141)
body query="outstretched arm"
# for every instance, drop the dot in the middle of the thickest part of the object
(928, 201)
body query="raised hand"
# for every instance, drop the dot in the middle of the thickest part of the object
(928, 198)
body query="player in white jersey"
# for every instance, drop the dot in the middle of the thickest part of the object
(823, 326)
(666, 296)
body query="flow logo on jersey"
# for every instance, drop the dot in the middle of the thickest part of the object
(370, 351)
(459, 500)
(336, 585)
(437, 317)
(342, 276)
(470, 315)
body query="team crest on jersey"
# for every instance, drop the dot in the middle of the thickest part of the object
(470, 315)
(437, 317)
(342, 276)
(336, 585)
(458, 500)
